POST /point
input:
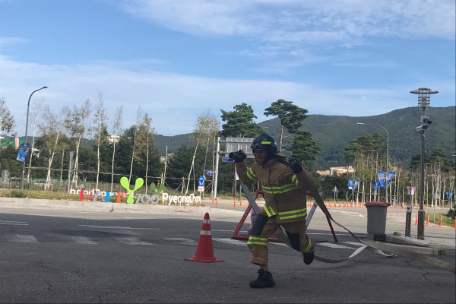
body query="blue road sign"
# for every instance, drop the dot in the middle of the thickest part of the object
(376, 185)
(209, 173)
(201, 181)
(227, 160)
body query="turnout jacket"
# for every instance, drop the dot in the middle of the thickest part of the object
(284, 190)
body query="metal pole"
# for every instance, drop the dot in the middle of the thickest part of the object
(26, 131)
(69, 171)
(216, 168)
(421, 211)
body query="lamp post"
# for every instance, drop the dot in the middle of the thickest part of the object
(387, 156)
(423, 105)
(26, 130)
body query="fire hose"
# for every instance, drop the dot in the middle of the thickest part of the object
(377, 247)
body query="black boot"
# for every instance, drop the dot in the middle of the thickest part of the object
(264, 279)
(308, 257)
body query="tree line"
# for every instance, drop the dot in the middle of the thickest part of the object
(111, 152)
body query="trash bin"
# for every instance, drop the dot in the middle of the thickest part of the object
(376, 220)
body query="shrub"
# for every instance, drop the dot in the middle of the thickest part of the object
(18, 193)
(452, 212)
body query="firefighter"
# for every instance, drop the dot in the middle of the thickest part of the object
(284, 183)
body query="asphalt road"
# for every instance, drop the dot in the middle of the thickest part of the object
(63, 255)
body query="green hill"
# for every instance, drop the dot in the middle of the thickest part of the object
(333, 133)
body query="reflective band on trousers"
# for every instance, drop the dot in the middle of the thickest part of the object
(309, 245)
(279, 189)
(255, 240)
(292, 214)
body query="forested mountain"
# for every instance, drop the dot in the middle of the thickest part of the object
(334, 133)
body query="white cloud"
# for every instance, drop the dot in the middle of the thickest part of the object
(302, 20)
(174, 101)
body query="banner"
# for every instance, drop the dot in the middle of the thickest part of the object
(381, 178)
(353, 183)
(411, 190)
(390, 176)
(22, 153)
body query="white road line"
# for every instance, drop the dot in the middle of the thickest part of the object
(116, 227)
(83, 240)
(13, 223)
(21, 238)
(355, 244)
(133, 241)
(331, 245)
(229, 241)
(181, 240)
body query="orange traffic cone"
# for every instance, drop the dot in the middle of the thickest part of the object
(427, 222)
(240, 202)
(216, 201)
(416, 219)
(234, 202)
(440, 224)
(212, 200)
(204, 251)
(454, 225)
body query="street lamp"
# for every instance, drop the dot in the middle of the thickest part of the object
(387, 157)
(423, 105)
(26, 130)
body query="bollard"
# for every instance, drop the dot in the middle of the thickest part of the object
(107, 196)
(118, 197)
(81, 195)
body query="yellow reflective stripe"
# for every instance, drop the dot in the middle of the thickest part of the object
(279, 189)
(252, 175)
(294, 179)
(265, 142)
(269, 211)
(292, 214)
(255, 240)
(309, 245)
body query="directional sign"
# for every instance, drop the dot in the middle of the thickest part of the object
(209, 173)
(201, 181)
(227, 160)
(376, 185)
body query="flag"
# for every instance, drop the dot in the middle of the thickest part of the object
(411, 190)
(390, 176)
(22, 153)
(381, 178)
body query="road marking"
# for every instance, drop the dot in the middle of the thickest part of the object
(229, 241)
(331, 245)
(21, 238)
(116, 227)
(13, 223)
(355, 244)
(83, 240)
(133, 241)
(181, 240)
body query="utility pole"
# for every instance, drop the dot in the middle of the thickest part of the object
(423, 105)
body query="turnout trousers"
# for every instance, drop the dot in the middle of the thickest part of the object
(264, 227)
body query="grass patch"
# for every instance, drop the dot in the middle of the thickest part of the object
(446, 221)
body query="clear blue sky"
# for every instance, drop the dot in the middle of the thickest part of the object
(179, 59)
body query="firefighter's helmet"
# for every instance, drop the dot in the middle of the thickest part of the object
(265, 142)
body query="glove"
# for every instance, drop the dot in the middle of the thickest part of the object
(295, 164)
(238, 156)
